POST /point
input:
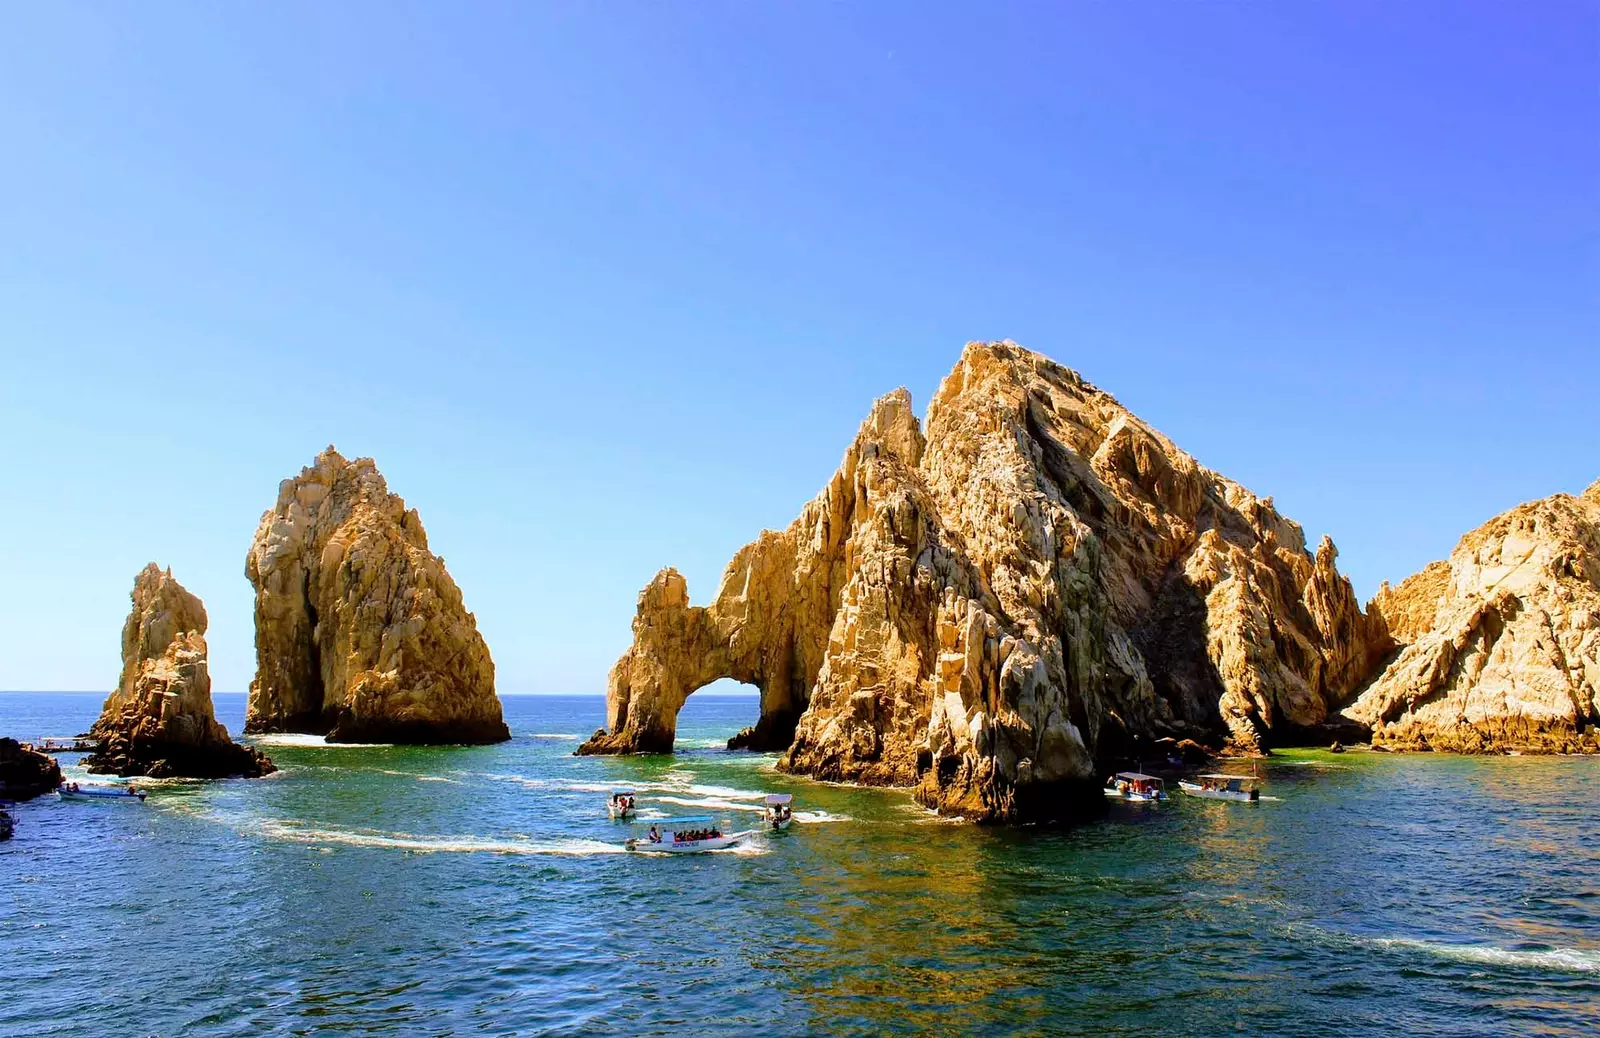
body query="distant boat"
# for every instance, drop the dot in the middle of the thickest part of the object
(65, 744)
(688, 835)
(620, 804)
(73, 791)
(779, 811)
(1136, 787)
(1242, 788)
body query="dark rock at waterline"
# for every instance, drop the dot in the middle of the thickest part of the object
(25, 773)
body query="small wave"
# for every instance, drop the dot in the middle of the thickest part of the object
(305, 739)
(436, 844)
(1565, 960)
(710, 802)
(414, 775)
(813, 817)
(728, 794)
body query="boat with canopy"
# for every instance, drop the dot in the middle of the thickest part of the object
(1242, 788)
(74, 791)
(779, 811)
(620, 804)
(687, 835)
(1136, 787)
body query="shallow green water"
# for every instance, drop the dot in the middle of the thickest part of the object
(483, 891)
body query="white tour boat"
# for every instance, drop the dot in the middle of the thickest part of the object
(779, 811)
(1137, 787)
(620, 804)
(687, 835)
(73, 791)
(1242, 788)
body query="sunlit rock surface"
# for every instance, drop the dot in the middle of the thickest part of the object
(361, 634)
(160, 720)
(1502, 642)
(994, 609)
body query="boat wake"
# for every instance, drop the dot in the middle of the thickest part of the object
(817, 817)
(296, 833)
(1564, 960)
(713, 803)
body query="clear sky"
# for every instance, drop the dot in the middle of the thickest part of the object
(608, 286)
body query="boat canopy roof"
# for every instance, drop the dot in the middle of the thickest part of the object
(686, 822)
(1136, 776)
(622, 792)
(775, 799)
(1218, 776)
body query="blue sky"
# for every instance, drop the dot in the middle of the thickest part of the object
(606, 287)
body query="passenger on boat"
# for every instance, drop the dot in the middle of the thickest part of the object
(655, 835)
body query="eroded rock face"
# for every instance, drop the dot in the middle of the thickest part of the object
(1508, 656)
(361, 634)
(990, 612)
(160, 720)
(26, 773)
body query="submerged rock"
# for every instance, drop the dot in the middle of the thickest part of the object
(361, 634)
(1039, 585)
(160, 720)
(26, 773)
(1502, 642)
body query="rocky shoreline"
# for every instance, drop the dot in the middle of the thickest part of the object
(997, 605)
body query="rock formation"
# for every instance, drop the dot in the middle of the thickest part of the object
(360, 632)
(160, 720)
(26, 773)
(1502, 642)
(1039, 585)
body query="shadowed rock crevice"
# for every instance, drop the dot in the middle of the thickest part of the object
(991, 612)
(361, 634)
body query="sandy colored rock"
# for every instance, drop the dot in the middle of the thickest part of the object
(361, 634)
(160, 721)
(992, 612)
(1510, 657)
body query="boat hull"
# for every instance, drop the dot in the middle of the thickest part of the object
(621, 814)
(116, 796)
(1241, 797)
(690, 846)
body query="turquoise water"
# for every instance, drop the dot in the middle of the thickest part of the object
(433, 891)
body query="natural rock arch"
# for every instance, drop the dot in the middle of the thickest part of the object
(1040, 584)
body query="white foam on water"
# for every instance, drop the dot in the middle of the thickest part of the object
(710, 802)
(306, 739)
(554, 735)
(728, 794)
(1564, 960)
(436, 844)
(813, 817)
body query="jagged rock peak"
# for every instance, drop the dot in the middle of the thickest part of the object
(160, 721)
(1508, 655)
(1036, 586)
(361, 634)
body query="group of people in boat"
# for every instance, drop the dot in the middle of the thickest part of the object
(690, 836)
(622, 801)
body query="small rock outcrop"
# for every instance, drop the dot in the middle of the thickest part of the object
(160, 721)
(996, 608)
(26, 773)
(1501, 643)
(361, 634)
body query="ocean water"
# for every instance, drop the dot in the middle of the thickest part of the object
(438, 891)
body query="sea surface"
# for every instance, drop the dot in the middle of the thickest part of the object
(483, 891)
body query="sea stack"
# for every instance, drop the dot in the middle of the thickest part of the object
(160, 721)
(995, 610)
(26, 773)
(1501, 643)
(361, 634)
